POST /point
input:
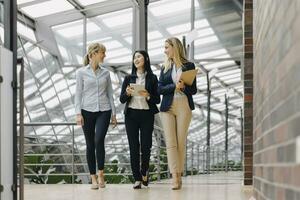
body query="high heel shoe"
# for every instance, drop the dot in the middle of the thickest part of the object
(137, 185)
(101, 181)
(179, 180)
(145, 179)
(94, 185)
(176, 184)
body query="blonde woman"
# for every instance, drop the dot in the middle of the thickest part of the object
(94, 106)
(176, 106)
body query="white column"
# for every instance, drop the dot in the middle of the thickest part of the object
(6, 124)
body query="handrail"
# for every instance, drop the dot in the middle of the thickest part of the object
(196, 155)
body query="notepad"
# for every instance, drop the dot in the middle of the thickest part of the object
(137, 88)
(189, 76)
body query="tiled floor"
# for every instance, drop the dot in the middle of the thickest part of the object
(204, 187)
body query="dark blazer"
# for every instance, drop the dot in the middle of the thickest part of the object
(150, 86)
(166, 87)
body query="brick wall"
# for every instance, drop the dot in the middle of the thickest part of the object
(248, 92)
(276, 101)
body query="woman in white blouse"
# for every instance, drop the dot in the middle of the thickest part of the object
(94, 106)
(139, 113)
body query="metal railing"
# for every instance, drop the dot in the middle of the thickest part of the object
(67, 159)
(70, 152)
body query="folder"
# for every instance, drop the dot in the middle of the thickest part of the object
(189, 76)
(137, 88)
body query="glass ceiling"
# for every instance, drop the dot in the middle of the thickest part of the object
(50, 77)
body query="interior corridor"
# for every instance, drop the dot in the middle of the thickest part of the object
(222, 186)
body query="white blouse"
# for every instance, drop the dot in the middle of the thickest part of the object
(139, 102)
(176, 73)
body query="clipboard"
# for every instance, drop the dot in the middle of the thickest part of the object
(189, 76)
(137, 88)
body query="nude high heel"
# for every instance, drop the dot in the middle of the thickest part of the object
(175, 185)
(101, 180)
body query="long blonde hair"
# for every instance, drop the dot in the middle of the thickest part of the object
(93, 48)
(179, 54)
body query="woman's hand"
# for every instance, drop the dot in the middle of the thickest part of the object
(180, 85)
(129, 90)
(79, 120)
(114, 120)
(144, 93)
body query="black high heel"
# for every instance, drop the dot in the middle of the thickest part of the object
(137, 185)
(145, 182)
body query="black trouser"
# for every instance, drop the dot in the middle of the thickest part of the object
(95, 138)
(139, 128)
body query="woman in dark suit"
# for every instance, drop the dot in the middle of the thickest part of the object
(139, 113)
(176, 106)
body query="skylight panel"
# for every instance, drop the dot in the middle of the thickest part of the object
(44, 130)
(112, 44)
(49, 94)
(231, 76)
(202, 23)
(219, 64)
(211, 54)
(25, 31)
(123, 59)
(206, 40)
(117, 18)
(69, 112)
(154, 35)
(77, 30)
(24, 1)
(89, 2)
(46, 8)
(221, 74)
(33, 102)
(181, 28)
(63, 52)
(35, 54)
(129, 39)
(233, 80)
(41, 73)
(35, 116)
(79, 58)
(154, 52)
(101, 40)
(205, 32)
(52, 103)
(117, 53)
(156, 43)
(168, 7)
(63, 95)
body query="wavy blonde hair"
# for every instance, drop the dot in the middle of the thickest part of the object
(179, 54)
(93, 48)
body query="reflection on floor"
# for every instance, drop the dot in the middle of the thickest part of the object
(204, 187)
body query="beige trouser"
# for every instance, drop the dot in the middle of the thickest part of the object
(176, 122)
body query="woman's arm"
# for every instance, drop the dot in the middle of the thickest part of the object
(165, 88)
(78, 92)
(154, 96)
(110, 95)
(123, 96)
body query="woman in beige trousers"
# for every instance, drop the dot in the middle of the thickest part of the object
(176, 106)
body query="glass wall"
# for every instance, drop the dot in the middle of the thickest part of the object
(50, 79)
(69, 38)
(217, 45)
(1, 23)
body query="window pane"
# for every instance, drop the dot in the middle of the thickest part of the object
(69, 38)
(46, 8)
